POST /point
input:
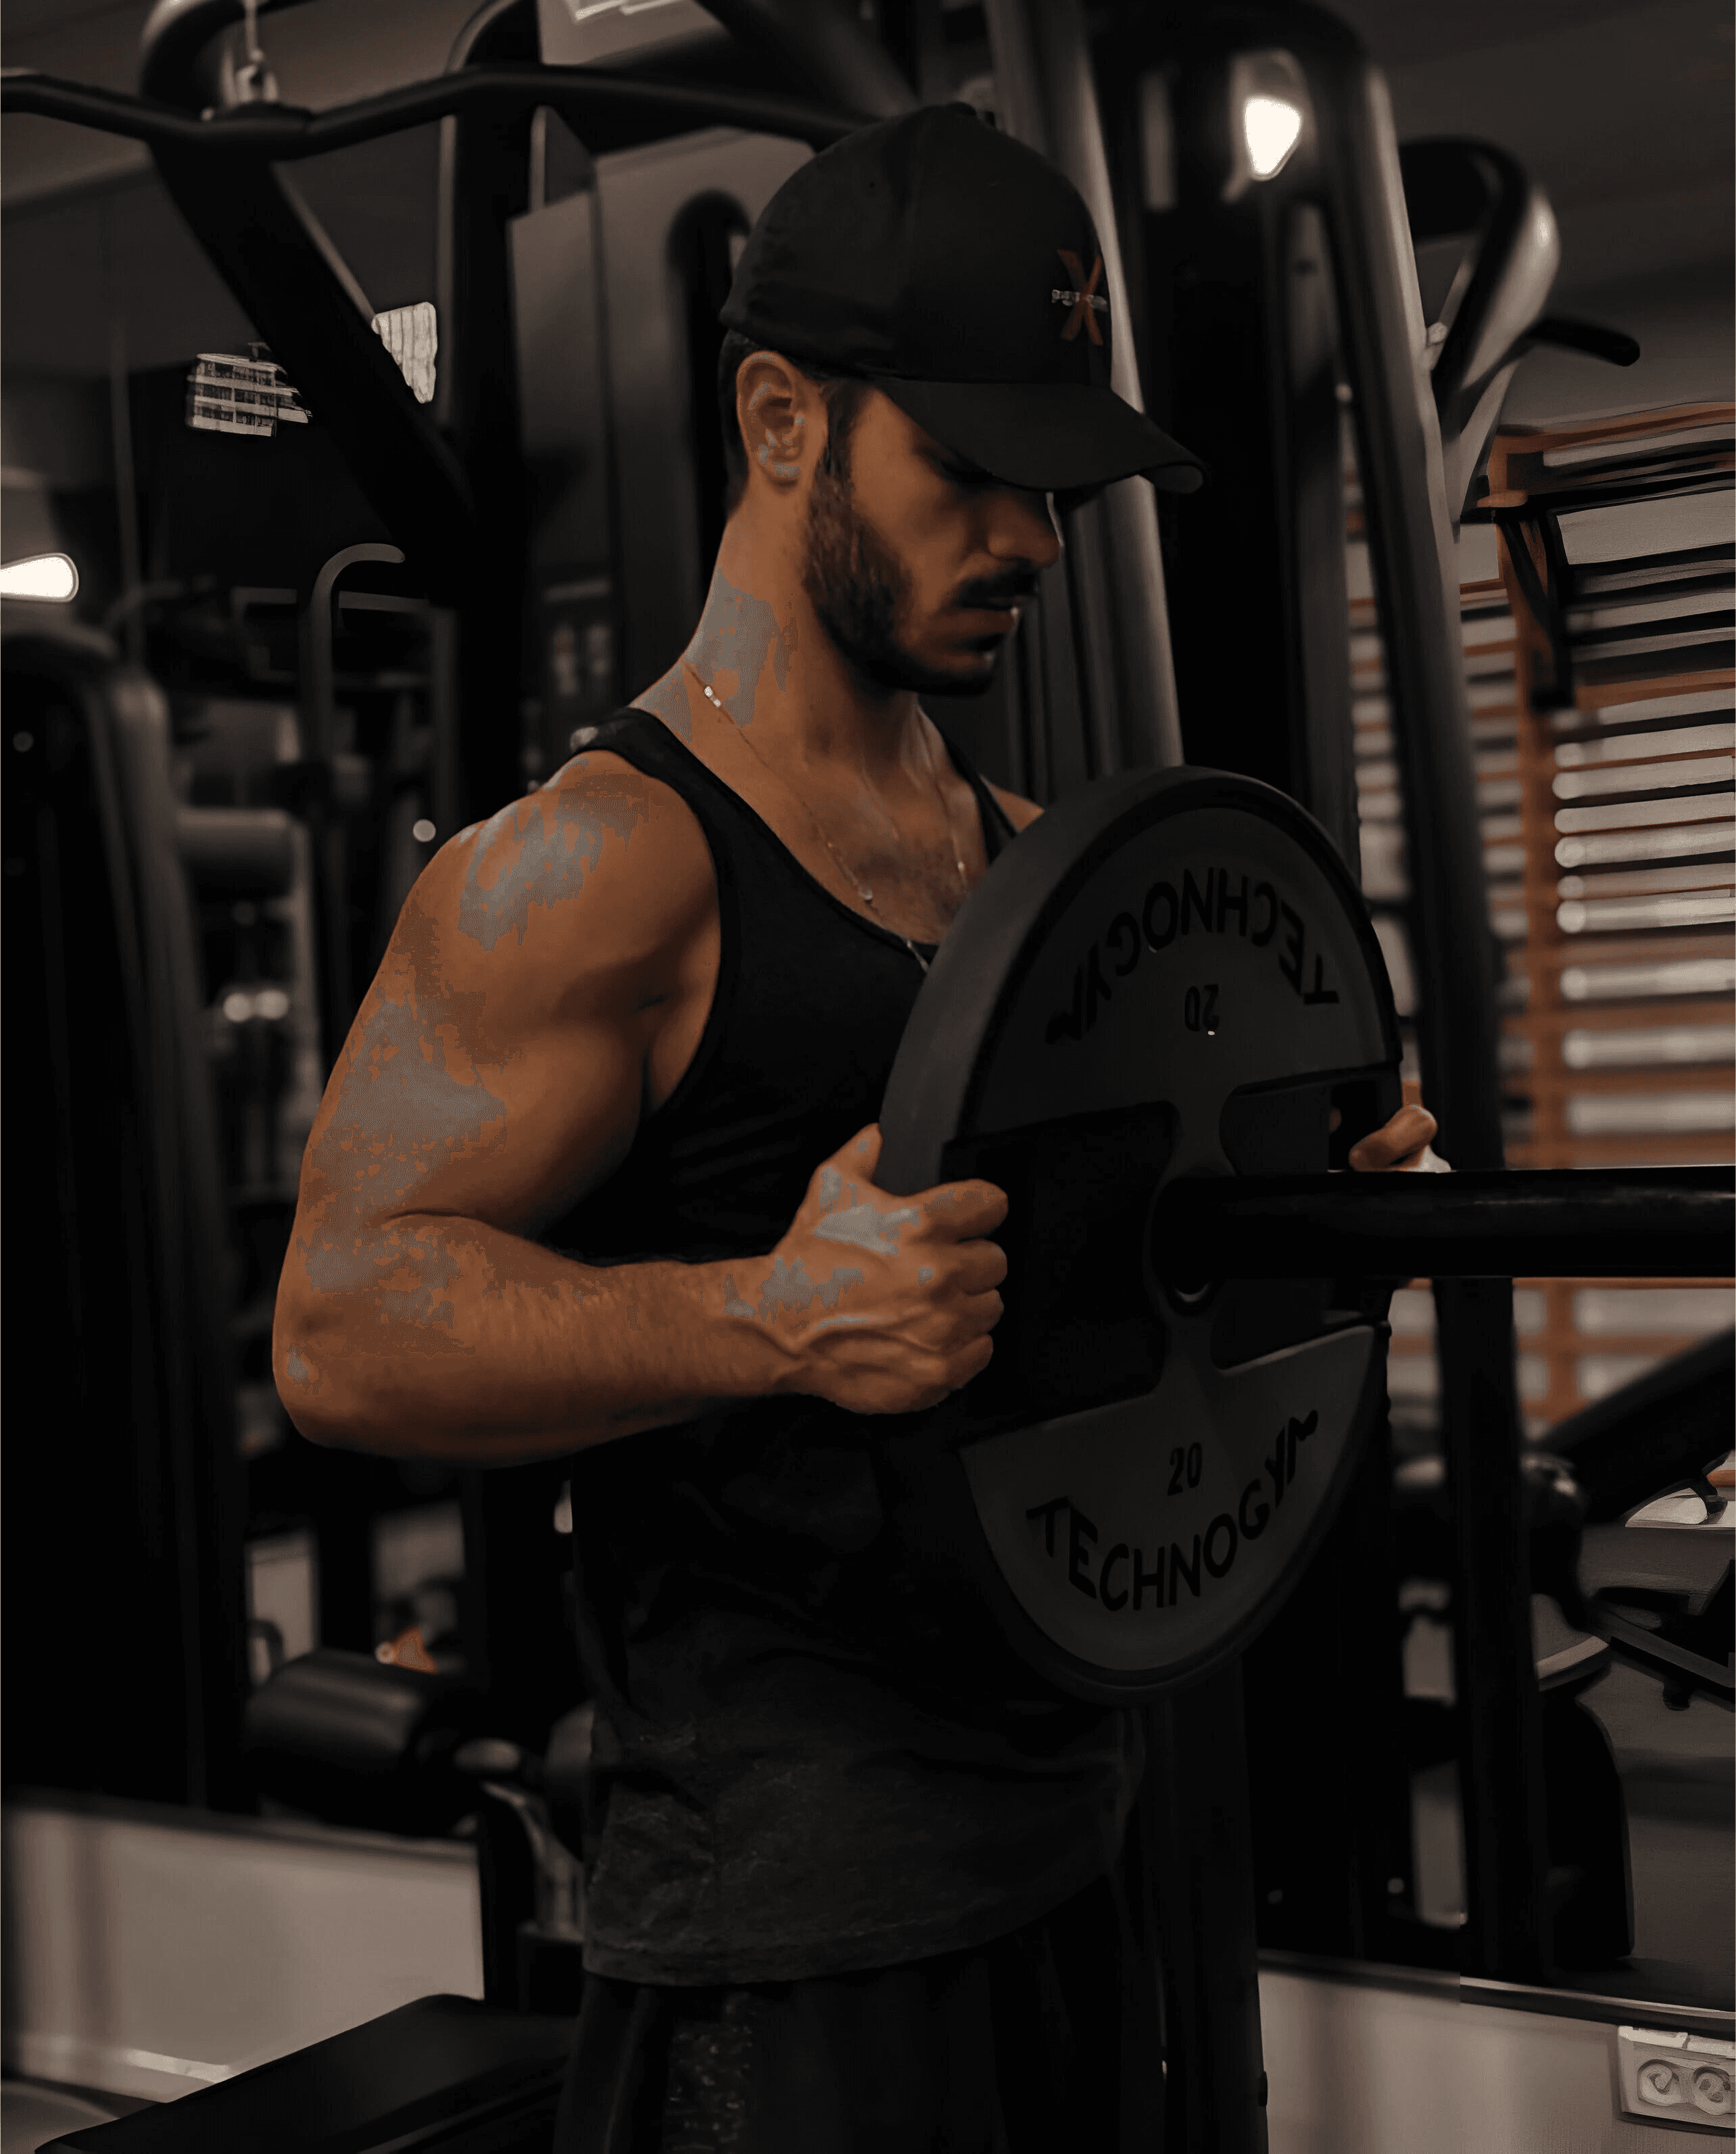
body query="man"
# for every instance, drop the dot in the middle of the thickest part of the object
(646, 1016)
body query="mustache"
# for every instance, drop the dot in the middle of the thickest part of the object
(995, 594)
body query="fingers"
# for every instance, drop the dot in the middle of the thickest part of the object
(950, 1211)
(982, 1266)
(870, 1377)
(1405, 1137)
(982, 1312)
(953, 1372)
(861, 1154)
(961, 1211)
(974, 1360)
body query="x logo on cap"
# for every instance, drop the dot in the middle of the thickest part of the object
(1084, 300)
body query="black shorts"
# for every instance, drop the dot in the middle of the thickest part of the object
(1045, 2040)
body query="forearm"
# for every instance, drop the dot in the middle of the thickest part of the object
(447, 1339)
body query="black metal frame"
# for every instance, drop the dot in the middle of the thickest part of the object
(1611, 1223)
(218, 172)
(1347, 167)
(120, 1443)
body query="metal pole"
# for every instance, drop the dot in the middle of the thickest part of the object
(120, 430)
(1553, 1223)
(1195, 1796)
(1045, 96)
(1201, 1834)
(1500, 1757)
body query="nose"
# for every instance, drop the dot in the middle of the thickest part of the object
(1025, 529)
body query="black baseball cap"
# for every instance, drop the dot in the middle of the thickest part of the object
(960, 273)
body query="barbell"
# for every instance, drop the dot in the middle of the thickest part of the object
(1159, 1023)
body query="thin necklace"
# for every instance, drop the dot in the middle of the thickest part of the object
(849, 875)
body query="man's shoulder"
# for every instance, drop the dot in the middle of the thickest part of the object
(603, 843)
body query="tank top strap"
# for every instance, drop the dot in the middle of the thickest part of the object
(998, 830)
(642, 739)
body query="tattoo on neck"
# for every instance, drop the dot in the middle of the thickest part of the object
(737, 637)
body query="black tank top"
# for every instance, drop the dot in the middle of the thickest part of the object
(791, 1790)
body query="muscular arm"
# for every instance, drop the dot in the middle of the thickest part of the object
(493, 1074)
(545, 966)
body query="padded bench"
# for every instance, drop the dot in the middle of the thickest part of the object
(445, 2073)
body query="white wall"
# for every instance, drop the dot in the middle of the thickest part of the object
(1355, 2070)
(149, 1952)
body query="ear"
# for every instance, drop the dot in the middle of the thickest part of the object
(782, 417)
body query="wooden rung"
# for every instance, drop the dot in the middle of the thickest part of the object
(1613, 950)
(1653, 1083)
(1605, 693)
(1630, 427)
(1620, 1017)
(1663, 1285)
(1682, 1148)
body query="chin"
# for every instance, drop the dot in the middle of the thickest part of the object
(948, 671)
(977, 659)
(975, 677)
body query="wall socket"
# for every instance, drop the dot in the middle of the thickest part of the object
(1682, 2078)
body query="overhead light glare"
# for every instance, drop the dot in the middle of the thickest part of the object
(1271, 128)
(51, 576)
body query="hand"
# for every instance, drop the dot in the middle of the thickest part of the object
(882, 1305)
(1402, 1146)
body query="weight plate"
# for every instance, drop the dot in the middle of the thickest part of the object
(1168, 974)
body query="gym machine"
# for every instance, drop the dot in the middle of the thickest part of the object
(1079, 978)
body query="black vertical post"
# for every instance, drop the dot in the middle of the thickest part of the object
(1046, 95)
(485, 181)
(343, 1492)
(1500, 1740)
(1243, 331)
(914, 33)
(1413, 555)
(1236, 290)
(1202, 1841)
(516, 1628)
(1328, 1837)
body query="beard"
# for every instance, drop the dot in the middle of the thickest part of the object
(856, 585)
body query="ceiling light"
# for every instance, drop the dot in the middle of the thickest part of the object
(1271, 128)
(51, 576)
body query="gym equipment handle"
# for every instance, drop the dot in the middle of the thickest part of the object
(1563, 1223)
(279, 134)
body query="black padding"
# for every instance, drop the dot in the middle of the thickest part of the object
(242, 851)
(357, 1741)
(445, 2071)
(1668, 1425)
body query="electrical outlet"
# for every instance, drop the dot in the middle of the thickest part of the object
(1685, 2078)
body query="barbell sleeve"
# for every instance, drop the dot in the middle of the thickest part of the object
(1625, 1223)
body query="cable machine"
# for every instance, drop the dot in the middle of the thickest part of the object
(1270, 280)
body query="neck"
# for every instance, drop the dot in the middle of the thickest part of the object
(776, 673)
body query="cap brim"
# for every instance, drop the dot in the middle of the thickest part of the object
(1054, 437)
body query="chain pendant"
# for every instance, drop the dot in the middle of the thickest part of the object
(860, 888)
